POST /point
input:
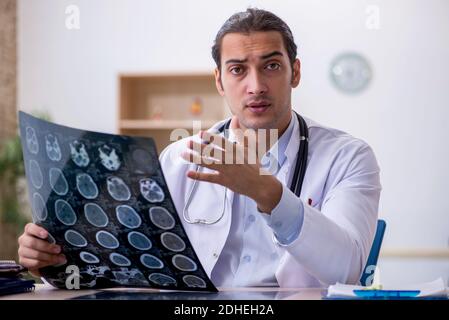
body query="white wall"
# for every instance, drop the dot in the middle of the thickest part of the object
(72, 74)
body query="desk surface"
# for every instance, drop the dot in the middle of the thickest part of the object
(46, 292)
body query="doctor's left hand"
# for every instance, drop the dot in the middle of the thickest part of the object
(236, 167)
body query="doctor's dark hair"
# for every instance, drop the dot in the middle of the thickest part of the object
(254, 20)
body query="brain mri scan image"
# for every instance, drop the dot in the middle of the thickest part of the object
(79, 154)
(172, 242)
(52, 147)
(58, 182)
(88, 257)
(75, 238)
(161, 218)
(107, 240)
(130, 277)
(162, 279)
(128, 217)
(143, 160)
(104, 199)
(31, 140)
(86, 186)
(95, 215)
(151, 261)
(183, 263)
(194, 281)
(151, 190)
(109, 158)
(119, 259)
(40, 212)
(139, 240)
(36, 174)
(64, 212)
(118, 189)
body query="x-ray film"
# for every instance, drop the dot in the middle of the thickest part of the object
(104, 199)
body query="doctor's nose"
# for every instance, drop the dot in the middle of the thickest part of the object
(255, 84)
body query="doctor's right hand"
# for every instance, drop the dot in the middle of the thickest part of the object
(35, 251)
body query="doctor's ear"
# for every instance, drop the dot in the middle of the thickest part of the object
(296, 73)
(218, 82)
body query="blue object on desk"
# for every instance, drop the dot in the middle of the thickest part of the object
(15, 285)
(374, 253)
(387, 294)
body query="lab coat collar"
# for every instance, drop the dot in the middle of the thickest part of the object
(279, 150)
(293, 145)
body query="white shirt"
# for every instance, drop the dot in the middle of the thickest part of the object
(242, 262)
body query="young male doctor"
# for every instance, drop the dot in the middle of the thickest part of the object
(249, 228)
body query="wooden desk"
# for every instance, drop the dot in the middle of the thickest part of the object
(46, 292)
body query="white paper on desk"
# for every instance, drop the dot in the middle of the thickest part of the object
(428, 289)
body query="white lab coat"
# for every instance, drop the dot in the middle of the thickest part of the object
(342, 179)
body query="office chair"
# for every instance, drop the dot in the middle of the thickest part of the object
(374, 253)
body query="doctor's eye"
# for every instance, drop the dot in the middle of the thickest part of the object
(237, 70)
(273, 66)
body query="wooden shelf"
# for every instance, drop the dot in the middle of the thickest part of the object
(177, 99)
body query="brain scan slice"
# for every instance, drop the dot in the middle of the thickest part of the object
(132, 277)
(161, 218)
(75, 238)
(31, 140)
(128, 217)
(151, 190)
(86, 186)
(172, 242)
(139, 241)
(79, 154)
(118, 189)
(95, 215)
(143, 161)
(194, 281)
(40, 212)
(109, 158)
(64, 212)
(97, 270)
(91, 274)
(151, 262)
(161, 279)
(119, 259)
(183, 263)
(58, 182)
(37, 178)
(107, 239)
(52, 146)
(88, 257)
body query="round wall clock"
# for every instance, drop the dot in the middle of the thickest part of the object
(350, 72)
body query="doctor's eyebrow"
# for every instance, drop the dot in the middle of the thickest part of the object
(264, 57)
(236, 61)
(272, 54)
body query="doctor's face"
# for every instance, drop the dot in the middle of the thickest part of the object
(256, 79)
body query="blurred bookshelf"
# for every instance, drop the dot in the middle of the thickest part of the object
(155, 104)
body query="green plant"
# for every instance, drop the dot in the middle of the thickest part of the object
(11, 170)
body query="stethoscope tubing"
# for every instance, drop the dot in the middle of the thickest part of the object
(297, 180)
